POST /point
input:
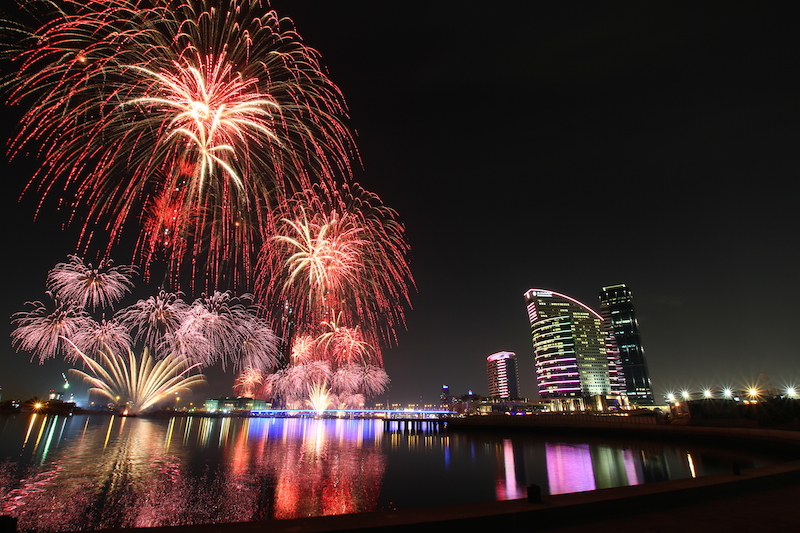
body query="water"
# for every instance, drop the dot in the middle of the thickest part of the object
(93, 471)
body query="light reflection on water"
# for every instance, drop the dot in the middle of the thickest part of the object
(94, 471)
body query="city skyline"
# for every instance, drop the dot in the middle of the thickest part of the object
(567, 147)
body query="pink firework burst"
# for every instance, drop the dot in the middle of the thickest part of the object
(351, 379)
(224, 320)
(155, 320)
(43, 332)
(88, 286)
(102, 335)
(259, 348)
(303, 349)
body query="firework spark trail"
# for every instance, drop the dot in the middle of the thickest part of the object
(215, 110)
(140, 383)
(88, 286)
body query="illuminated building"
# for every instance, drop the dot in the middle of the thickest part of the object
(569, 343)
(624, 342)
(501, 368)
(444, 398)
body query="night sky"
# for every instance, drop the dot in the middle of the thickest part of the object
(552, 145)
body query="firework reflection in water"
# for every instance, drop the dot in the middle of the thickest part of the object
(141, 474)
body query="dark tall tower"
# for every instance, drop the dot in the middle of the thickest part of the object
(622, 330)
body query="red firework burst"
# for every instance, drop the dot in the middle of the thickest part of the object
(215, 108)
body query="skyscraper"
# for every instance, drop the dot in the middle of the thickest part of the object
(501, 368)
(622, 330)
(572, 366)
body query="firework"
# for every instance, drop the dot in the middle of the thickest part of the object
(292, 383)
(374, 380)
(247, 382)
(155, 320)
(259, 347)
(138, 383)
(339, 254)
(350, 379)
(370, 380)
(225, 321)
(96, 336)
(88, 286)
(303, 349)
(319, 397)
(345, 345)
(212, 108)
(324, 259)
(43, 332)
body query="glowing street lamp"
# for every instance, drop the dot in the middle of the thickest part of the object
(707, 393)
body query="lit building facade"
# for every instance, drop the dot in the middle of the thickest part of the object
(572, 363)
(501, 368)
(624, 342)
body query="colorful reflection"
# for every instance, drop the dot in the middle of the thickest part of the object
(97, 472)
(136, 472)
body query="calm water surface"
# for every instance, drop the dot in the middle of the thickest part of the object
(94, 471)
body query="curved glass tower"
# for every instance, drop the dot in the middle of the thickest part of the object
(572, 365)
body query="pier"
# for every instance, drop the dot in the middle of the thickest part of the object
(409, 424)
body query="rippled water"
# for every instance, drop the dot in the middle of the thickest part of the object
(95, 471)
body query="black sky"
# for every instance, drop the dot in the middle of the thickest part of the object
(557, 145)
